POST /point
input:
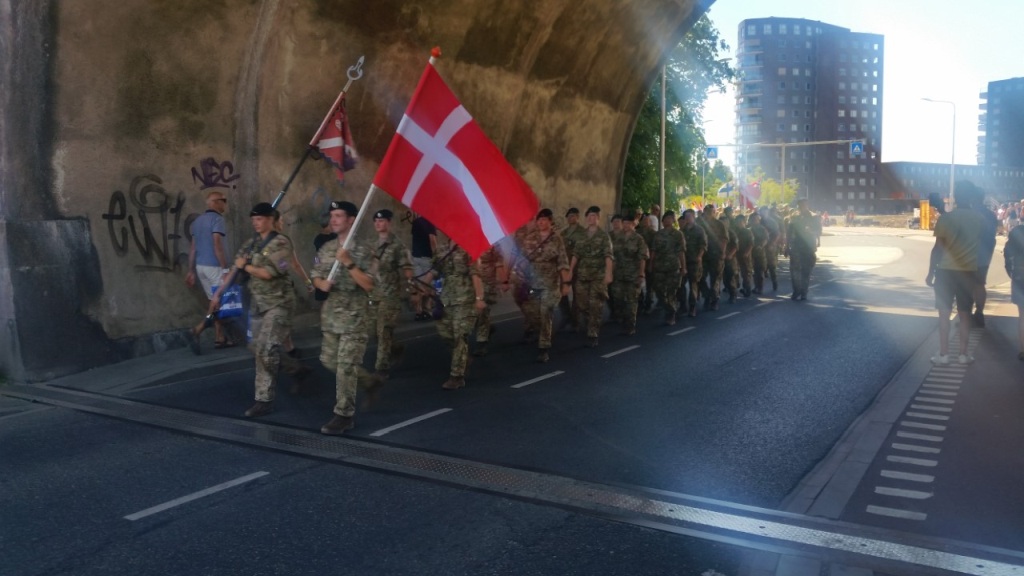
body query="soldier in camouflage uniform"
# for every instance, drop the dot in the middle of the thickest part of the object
(520, 285)
(744, 253)
(592, 266)
(392, 271)
(696, 244)
(730, 270)
(714, 258)
(541, 269)
(646, 231)
(802, 234)
(631, 254)
(462, 294)
(345, 316)
(266, 258)
(491, 266)
(757, 253)
(669, 264)
(571, 234)
(772, 222)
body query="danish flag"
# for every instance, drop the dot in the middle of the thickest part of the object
(442, 165)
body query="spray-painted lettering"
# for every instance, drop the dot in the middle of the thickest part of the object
(213, 174)
(154, 222)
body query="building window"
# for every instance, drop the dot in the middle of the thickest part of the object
(842, 113)
(839, 182)
(795, 100)
(808, 86)
(767, 29)
(863, 195)
(863, 167)
(840, 154)
(751, 30)
(852, 168)
(863, 182)
(780, 99)
(781, 127)
(782, 57)
(782, 85)
(796, 71)
(807, 127)
(850, 195)
(853, 113)
(782, 70)
(842, 85)
(839, 167)
(780, 113)
(807, 71)
(793, 127)
(842, 99)
(796, 29)
(783, 29)
(850, 181)
(841, 128)
(796, 113)
(854, 86)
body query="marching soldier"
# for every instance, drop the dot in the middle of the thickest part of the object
(714, 258)
(696, 244)
(345, 316)
(491, 266)
(592, 266)
(571, 234)
(729, 268)
(266, 258)
(669, 264)
(757, 254)
(462, 294)
(631, 254)
(744, 253)
(802, 234)
(542, 271)
(646, 231)
(393, 272)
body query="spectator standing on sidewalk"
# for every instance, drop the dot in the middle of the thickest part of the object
(986, 248)
(424, 245)
(208, 260)
(344, 318)
(1013, 259)
(953, 269)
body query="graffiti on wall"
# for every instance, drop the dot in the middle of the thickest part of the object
(213, 174)
(148, 221)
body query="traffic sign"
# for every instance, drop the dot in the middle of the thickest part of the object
(857, 148)
(711, 152)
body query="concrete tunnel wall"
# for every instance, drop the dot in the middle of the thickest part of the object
(119, 116)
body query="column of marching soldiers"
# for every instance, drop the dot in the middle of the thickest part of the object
(642, 261)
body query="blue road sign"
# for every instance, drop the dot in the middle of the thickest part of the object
(857, 148)
(711, 152)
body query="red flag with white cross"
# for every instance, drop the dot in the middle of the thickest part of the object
(442, 165)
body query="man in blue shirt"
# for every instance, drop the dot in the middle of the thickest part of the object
(208, 260)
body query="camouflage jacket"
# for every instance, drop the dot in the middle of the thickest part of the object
(696, 242)
(457, 271)
(718, 236)
(744, 239)
(488, 264)
(571, 235)
(390, 261)
(346, 309)
(538, 262)
(591, 253)
(275, 256)
(760, 236)
(630, 254)
(802, 233)
(668, 245)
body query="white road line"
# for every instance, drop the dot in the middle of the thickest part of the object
(765, 303)
(913, 436)
(896, 513)
(538, 379)
(194, 496)
(935, 427)
(941, 386)
(944, 380)
(384, 431)
(678, 332)
(900, 492)
(916, 448)
(617, 352)
(933, 400)
(896, 475)
(932, 408)
(936, 392)
(729, 315)
(912, 461)
(927, 416)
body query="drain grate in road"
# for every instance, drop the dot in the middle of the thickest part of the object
(714, 520)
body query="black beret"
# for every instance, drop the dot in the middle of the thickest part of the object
(572, 211)
(669, 213)
(385, 214)
(544, 213)
(617, 217)
(262, 209)
(593, 210)
(348, 207)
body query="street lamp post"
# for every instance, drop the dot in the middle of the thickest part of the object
(952, 157)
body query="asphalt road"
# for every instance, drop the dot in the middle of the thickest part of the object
(736, 405)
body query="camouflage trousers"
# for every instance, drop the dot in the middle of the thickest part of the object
(746, 266)
(729, 273)
(666, 283)
(454, 328)
(626, 295)
(760, 263)
(384, 319)
(589, 297)
(694, 278)
(546, 301)
(268, 331)
(343, 355)
(712, 281)
(483, 318)
(800, 265)
(528, 305)
(771, 262)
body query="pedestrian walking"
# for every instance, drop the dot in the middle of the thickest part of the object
(208, 261)
(986, 248)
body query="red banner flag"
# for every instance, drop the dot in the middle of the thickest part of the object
(750, 194)
(442, 165)
(335, 141)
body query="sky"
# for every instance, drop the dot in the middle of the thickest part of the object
(938, 49)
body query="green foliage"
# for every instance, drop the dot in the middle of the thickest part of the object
(693, 68)
(772, 192)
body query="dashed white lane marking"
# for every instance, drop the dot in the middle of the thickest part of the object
(941, 386)
(617, 352)
(944, 380)
(384, 431)
(912, 461)
(896, 475)
(931, 408)
(927, 416)
(915, 436)
(902, 493)
(194, 496)
(936, 392)
(538, 379)
(678, 332)
(922, 426)
(933, 400)
(896, 513)
(916, 448)
(729, 315)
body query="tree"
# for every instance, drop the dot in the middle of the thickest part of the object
(693, 68)
(771, 191)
